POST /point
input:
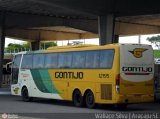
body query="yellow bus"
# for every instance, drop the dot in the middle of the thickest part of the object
(118, 74)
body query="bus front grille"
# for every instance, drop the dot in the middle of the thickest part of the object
(106, 91)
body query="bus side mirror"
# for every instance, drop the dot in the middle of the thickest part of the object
(8, 67)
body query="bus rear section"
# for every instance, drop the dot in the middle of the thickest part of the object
(136, 82)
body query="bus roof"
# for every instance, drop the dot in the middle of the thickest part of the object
(71, 46)
(75, 48)
(79, 48)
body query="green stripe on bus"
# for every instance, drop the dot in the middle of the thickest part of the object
(47, 81)
(38, 81)
(39, 51)
(43, 81)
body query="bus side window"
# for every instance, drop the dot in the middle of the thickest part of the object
(92, 59)
(78, 60)
(27, 62)
(51, 60)
(38, 60)
(65, 60)
(106, 58)
(15, 68)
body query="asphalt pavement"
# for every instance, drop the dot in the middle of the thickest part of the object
(14, 107)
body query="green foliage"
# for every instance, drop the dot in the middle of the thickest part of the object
(155, 40)
(26, 45)
(46, 45)
(12, 47)
(156, 53)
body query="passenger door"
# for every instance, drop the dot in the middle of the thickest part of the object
(15, 68)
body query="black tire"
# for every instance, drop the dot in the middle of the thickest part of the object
(25, 95)
(155, 98)
(89, 99)
(77, 98)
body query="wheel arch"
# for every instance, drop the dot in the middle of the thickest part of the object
(76, 89)
(24, 86)
(87, 90)
(85, 98)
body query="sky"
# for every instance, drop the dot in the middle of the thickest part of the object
(126, 39)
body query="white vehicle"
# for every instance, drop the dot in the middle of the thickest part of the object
(157, 61)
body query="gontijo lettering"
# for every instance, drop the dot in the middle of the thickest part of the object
(137, 69)
(69, 75)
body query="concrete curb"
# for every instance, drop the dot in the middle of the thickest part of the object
(5, 93)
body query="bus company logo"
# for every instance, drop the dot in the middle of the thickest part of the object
(16, 90)
(4, 116)
(9, 116)
(138, 52)
(69, 75)
(137, 70)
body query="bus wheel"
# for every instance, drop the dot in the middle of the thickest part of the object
(25, 96)
(77, 98)
(89, 99)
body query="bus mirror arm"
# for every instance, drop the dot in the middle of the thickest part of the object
(8, 68)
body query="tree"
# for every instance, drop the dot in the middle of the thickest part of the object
(46, 45)
(26, 46)
(13, 47)
(155, 40)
